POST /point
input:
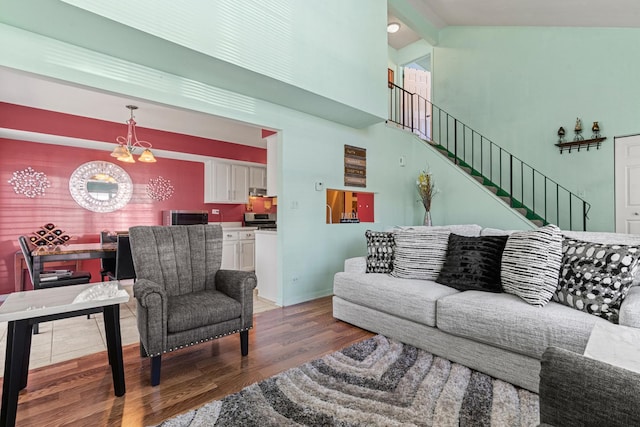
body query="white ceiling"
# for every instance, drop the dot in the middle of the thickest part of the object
(403, 37)
(535, 13)
(545, 13)
(48, 94)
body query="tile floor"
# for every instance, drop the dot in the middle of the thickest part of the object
(78, 336)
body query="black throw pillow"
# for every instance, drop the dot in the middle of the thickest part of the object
(473, 263)
(380, 248)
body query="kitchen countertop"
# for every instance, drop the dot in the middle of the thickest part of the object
(233, 226)
(268, 232)
(239, 228)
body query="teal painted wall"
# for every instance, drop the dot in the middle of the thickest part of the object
(331, 48)
(310, 149)
(517, 86)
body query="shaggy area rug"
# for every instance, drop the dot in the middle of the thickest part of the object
(377, 382)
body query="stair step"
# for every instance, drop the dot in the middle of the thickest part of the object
(523, 211)
(493, 189)
(501, 194)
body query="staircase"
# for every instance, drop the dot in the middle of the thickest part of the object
(526, 190)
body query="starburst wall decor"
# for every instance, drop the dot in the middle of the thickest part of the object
(29, 182)
(159, 189)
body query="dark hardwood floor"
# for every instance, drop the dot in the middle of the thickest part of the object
(79, 392)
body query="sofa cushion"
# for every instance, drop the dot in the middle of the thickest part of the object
(406, 298)
(506, 321)
(531, 264)
(419, 254)
(488, 231)
(473, 263)
(380, 247)
(595, 277)
(203, 308)
(459, 229)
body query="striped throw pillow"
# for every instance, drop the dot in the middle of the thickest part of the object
(531, 264)
(419, 254)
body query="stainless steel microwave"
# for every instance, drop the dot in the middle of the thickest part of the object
(184, 217)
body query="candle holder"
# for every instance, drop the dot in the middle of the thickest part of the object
(578, 131)
(596, 130)
(561, 134)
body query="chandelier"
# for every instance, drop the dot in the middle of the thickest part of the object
(127, 146)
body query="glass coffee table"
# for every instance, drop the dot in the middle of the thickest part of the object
(24, 309)
(615, 344)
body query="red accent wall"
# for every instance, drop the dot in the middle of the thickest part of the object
(22, 215)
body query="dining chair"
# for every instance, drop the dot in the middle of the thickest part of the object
(183, 296)
(107, 265)
(123, 262)
(75, 277)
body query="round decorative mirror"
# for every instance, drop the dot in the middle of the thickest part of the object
(101, 186)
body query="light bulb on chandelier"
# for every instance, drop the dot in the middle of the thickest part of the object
(128, 145)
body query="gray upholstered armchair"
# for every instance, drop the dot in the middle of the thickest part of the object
(183, 296)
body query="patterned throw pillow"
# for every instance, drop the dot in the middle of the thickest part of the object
(596, 277)
(419, 254)
(531, 264)
(473, 263)
(380, 246)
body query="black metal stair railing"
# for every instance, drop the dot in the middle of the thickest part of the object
(538, 197)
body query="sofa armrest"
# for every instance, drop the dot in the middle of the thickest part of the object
(355, 265)
(576, 390)
(630, 308)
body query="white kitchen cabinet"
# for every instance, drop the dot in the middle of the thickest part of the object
(225, 182)
(247, 251)
(239, 183)
(266, 265)
(257, 177)
(238, 250)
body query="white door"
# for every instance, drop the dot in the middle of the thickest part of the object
(627, 183)
(419, 82)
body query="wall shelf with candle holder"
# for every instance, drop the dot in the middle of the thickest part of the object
(585, 143)
(578, 141)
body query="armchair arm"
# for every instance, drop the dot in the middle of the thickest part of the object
(152, 315)
(239, 285)
(576, 390)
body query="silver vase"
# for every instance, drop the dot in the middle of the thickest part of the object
(427, 218)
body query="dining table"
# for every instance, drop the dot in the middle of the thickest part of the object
(71, 252)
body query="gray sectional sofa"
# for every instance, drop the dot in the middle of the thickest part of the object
(495, 333)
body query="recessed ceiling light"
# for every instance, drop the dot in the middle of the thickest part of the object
(393, 27)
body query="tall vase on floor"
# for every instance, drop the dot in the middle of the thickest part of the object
(427, 218)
